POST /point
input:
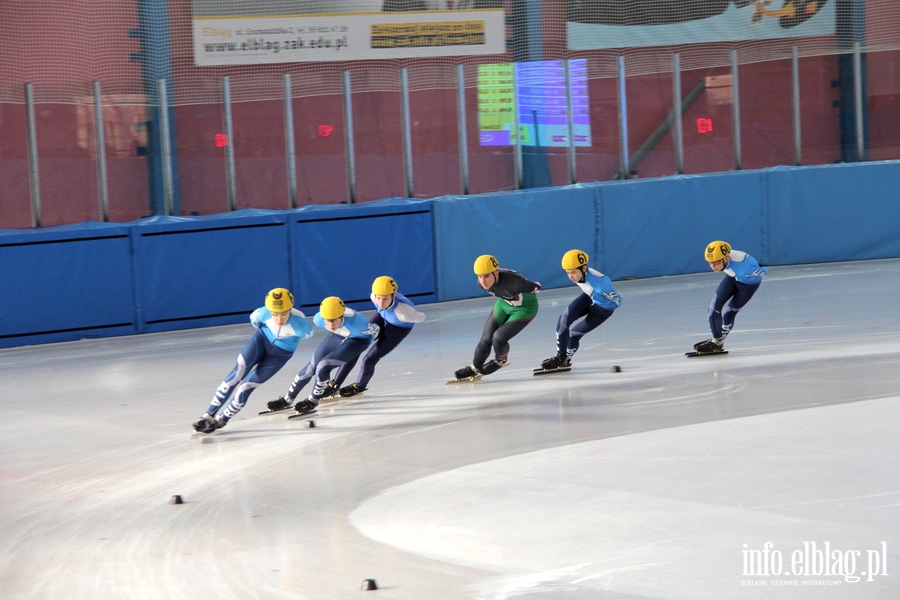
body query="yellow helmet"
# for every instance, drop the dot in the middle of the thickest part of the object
(716, 251)
(279, 300)
(332, 308)
(574, 259)
(384, 286)
(485, 264)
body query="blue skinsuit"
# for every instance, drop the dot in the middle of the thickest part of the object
(263, 355)
(743, 275)
(596, 305)
(337, 349)
(395, 323)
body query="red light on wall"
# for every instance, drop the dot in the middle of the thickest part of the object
(704, 125)
(221, 140)
(325, 130)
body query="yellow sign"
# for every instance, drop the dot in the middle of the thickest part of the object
(418, 35)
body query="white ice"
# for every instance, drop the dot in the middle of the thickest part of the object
(660, 481)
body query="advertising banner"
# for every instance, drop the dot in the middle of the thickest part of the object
(246, 35)
(594, 24)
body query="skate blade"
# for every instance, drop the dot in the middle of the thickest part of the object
(306, 415)
(693, 354)
(549, 371)
(466, 380)
(272, 412)
(474, 378)
(335, 398)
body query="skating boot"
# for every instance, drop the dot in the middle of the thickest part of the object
(208, 424)
(351, 390)
(467, 373)
(555, 362)
(304, 407)
(330, 390)
(492, 366)
(323, 390)
(279, 403)
(710, 346)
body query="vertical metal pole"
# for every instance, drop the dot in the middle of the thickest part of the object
(163, 96)
(230, 186)
(518, 169)
(795, 104)
(290, 152)
(676, 113)
(102, 186)
(859, 110)
(736, 109)
(407, 132)
(348, 140)
(570, 150)
(623, 121)
(462, 124)
(33, 174)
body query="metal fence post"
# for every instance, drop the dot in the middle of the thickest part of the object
(407, 132)
(168, 194)
(462, 124)
(348, 140)
(33, 174)
(290, 150)
(736, 109)
(230, 186)
(623, 120)
(102, 185)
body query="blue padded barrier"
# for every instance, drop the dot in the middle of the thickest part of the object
(202, 271)
(660, 227)
(340, 251)
(834, 213)
(64, 283)
(168, 273)
(528, 231)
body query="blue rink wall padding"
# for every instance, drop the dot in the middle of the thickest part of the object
(65, 283)
(210, 270)
(166, 273)
(661, 227)
(340, 252)
(834, 213)
(527, 231)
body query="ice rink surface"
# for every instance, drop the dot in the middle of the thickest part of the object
(773, 472)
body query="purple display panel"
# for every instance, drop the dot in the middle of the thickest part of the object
(540, 94)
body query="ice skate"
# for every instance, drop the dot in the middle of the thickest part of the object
(208, 424)
(323, 390)
(279, 403)
(492, 366)
(706, 347)
(469, 372)
(556, 362)
(304, 407)
(351, 390)
(710, 346)
(330, 390)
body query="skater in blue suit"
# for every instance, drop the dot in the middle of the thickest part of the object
(349, 336)
(743, 276)
(596, 305)
(279, 329)
(395, 317)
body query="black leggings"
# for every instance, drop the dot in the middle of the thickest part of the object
(496, 335)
